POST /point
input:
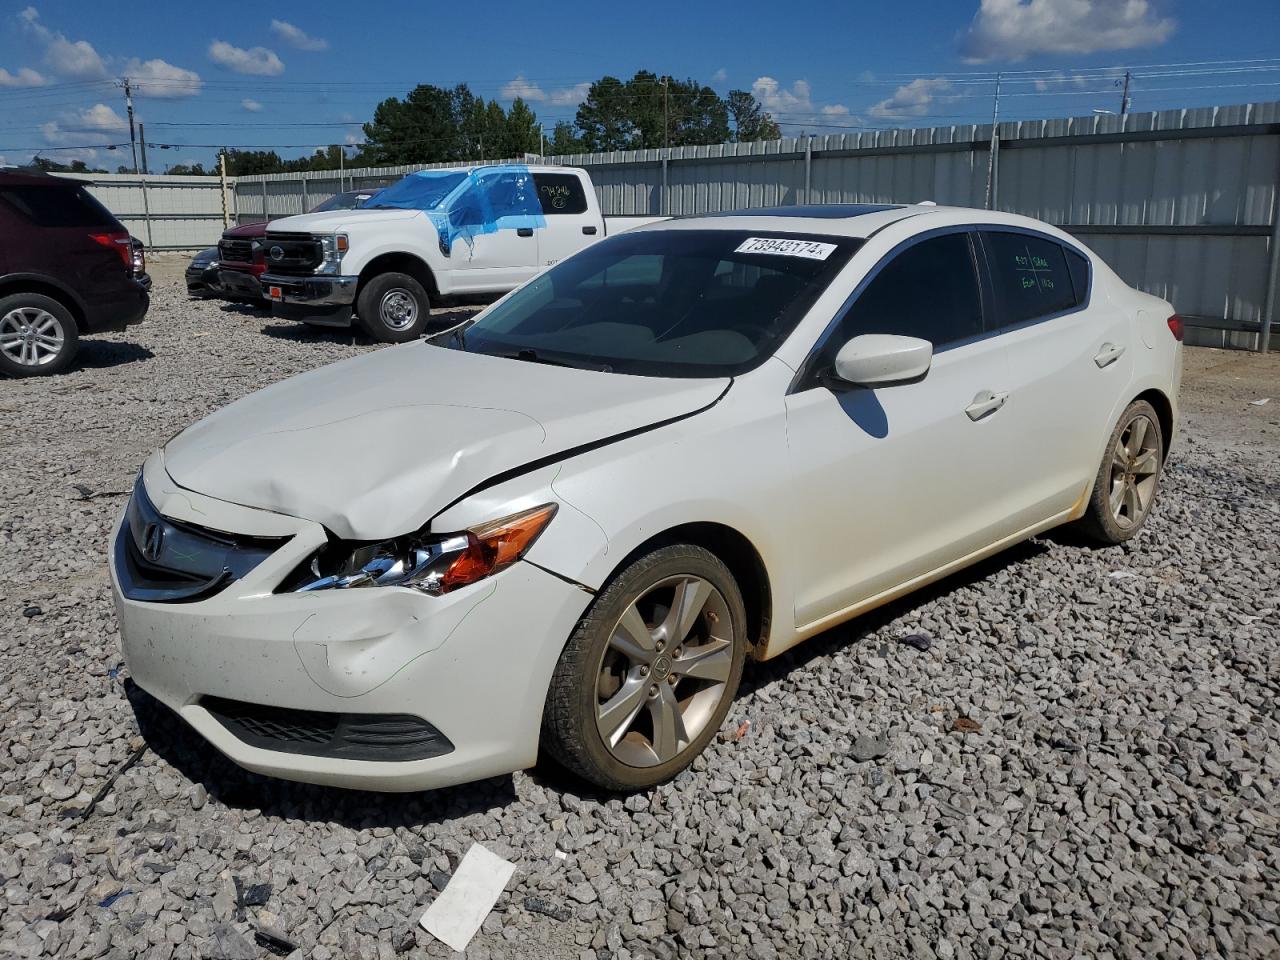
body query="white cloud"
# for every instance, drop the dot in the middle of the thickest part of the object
(89, 123)
(253, 106)
(24, 77)
(296, 37)
(1060, 81)
(258, 61)
(530, 92)
(1016, 29)
(720, 76)
(102, 118)
(160, 79)
(67, 58)
(911, 100)
(794, 104)
(354, 139)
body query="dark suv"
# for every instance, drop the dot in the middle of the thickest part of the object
(67, 268)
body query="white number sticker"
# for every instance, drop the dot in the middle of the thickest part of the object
(782, 247)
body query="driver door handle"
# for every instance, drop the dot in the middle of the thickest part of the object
(524, 231)
(1109, 354)
(985, 404)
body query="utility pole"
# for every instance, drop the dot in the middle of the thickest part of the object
(666, 112)
(1124, 97)
(128, 102)
(222, 176)
(995, 146)
(342, 162)
(142, 142)
(542, 141)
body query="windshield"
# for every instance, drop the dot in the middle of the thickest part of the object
(418, 191)
(346, 201)
(670, 303)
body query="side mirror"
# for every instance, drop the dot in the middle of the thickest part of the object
(875, 358)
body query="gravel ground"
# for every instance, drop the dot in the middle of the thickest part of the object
(1084, 760)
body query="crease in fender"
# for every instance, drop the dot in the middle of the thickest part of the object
(565, 500)
(572, 452)
(493, 587)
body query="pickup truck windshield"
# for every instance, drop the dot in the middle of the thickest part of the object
(418, 191)
(668, 303)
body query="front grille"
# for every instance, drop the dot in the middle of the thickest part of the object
(159, 560)
(291, 253)
(313, 733)
(236, 251)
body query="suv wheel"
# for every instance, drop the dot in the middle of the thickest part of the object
(648, 676)
(37, 335)
(393, 308)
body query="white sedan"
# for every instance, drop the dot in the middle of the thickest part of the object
(571, 520)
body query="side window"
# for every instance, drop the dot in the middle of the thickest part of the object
(1079, 267)
(560, 193)
(929, 290)
(1029, 275)
(510, 194)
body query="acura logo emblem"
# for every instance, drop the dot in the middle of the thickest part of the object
(277, 253)
(152, 541)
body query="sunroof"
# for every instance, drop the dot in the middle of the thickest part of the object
(820, 211)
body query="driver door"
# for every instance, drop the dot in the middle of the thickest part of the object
(495, 244)
(895, 481)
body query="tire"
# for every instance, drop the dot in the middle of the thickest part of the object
(1128, 477)
(38, 335)
(393, 308)
(654, 687)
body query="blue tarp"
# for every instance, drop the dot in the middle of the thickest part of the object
(466, 205)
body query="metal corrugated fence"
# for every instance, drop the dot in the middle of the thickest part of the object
(1181, 203)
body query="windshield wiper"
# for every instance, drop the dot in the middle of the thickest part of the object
(532, 356)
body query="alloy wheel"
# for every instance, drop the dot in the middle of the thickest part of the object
(664, 671)
(398, 308)
(31, 336)
(1135, 464)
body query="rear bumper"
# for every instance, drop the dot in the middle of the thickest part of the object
(118, 308)
(320, 300)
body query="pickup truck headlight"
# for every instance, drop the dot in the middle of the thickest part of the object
(432, 563)
(332, 247)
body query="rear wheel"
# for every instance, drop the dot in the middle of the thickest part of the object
(38, 335)
(648, 676)
(1128, 478)
(393, 308)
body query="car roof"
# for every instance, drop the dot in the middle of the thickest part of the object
(33, 178)
(856, 220)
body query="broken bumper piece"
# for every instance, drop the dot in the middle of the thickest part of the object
(381, 688)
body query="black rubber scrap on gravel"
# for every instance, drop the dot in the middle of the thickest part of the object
(274, 941)
(556, 911)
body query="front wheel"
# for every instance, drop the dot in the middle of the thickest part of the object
(37, 335)
(1128, 478)
(650, 672)
(393, 308)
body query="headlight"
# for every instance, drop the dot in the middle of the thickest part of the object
(332, 248)
(432, 563)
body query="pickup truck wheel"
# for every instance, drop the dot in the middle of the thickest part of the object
(37, 335)
(393, 308)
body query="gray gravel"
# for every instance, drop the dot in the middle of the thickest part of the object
(1083, 761)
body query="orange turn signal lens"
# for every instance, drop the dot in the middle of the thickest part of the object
(341, 242)
(496, 545)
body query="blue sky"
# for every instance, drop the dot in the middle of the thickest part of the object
(248, 79)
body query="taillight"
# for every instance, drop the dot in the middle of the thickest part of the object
(122, 243)
(1175, 327)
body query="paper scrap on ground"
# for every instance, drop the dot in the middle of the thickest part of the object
(458, 912)
(1259, 403)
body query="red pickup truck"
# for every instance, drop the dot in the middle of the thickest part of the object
(240, 259)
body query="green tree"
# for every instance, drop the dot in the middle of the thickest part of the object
(564, 139)
(650, 111)
(748, 118)
(247, 163)
(188, 170)
(53, 166)
(523, 135)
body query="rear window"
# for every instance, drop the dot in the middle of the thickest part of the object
(59, 206)
(1030, 277)
(560, 193)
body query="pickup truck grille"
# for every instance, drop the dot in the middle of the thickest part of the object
(235, 251)
(287, 253)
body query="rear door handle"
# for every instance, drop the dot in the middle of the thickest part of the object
(985, 404)
(1109, 354)
(524, 231)
(589, 231)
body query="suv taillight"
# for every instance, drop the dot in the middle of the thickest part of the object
(122, 243)
(1175, 327)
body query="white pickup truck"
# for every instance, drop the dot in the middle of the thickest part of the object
(435, 234)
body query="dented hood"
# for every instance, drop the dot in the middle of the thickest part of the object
(372, 447)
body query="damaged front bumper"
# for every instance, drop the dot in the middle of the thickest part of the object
(318, 686)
